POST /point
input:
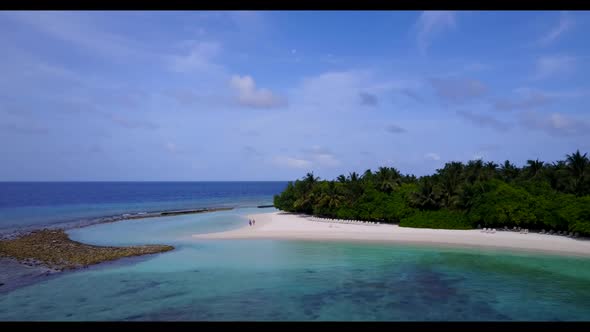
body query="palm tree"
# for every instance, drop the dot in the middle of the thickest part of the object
(426, 197)
(310, 179)
(355, 187)
(367, 176)
(409, 178)
(331, 197)
(534, 167)
(490, 169)
(468, 195)
(387, 179)
(577, 165)
(353, 177)
(305, 202)
(556, 174)
(474, 170)
(450, 177)
(307, 196)
(341, 179)
(509, 171)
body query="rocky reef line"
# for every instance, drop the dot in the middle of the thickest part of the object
(54, 249)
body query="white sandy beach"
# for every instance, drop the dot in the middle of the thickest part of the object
(279, 225)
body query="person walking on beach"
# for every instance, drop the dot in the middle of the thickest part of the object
(249, 222)
(253, 222)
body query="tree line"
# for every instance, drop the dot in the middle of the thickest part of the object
(538, 195)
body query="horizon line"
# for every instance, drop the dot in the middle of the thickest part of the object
(128, 181)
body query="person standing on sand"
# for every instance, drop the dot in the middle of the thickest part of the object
(253, 222)
(249, 222)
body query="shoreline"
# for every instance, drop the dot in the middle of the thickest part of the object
(52, 252)
(286, 226)
(18, 271)
(10, 234)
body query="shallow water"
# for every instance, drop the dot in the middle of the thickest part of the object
(266, 280)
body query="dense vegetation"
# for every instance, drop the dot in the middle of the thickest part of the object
(458, 196)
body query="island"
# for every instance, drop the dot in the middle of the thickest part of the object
(539, 207)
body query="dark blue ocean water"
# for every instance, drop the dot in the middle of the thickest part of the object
(25, 204)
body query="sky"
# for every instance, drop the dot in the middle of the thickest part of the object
(272, 95)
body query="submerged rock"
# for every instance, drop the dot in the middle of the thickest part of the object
(56, 250)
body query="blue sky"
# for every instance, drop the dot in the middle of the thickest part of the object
(272, 95)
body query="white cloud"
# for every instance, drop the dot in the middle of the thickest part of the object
(199, 57)
(130, 123)
(80, 30)
(250, 96)
(314, 157)
(565, 23)
(455, 90)
(250, 23)
(291, 162)
(333, 86)
(431, 23)
(342, 89)
(483, 120)
(549, 66)
(395, 129)
(555, 124)
(528, 100)
(326, 160)
(171, 147)
(432, 156)
(321, 157)
(368, 99)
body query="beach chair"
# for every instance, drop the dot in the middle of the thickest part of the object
(484, 230)
(494, 230)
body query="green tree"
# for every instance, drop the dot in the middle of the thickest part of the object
(387, 179)
(578, 165)
(508, 171)
(426, 196)
(449, 183)
(534, 168)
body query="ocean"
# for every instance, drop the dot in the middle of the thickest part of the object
(272, 280)
(37, 204)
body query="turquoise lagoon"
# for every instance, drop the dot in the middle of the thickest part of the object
(267, 280)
